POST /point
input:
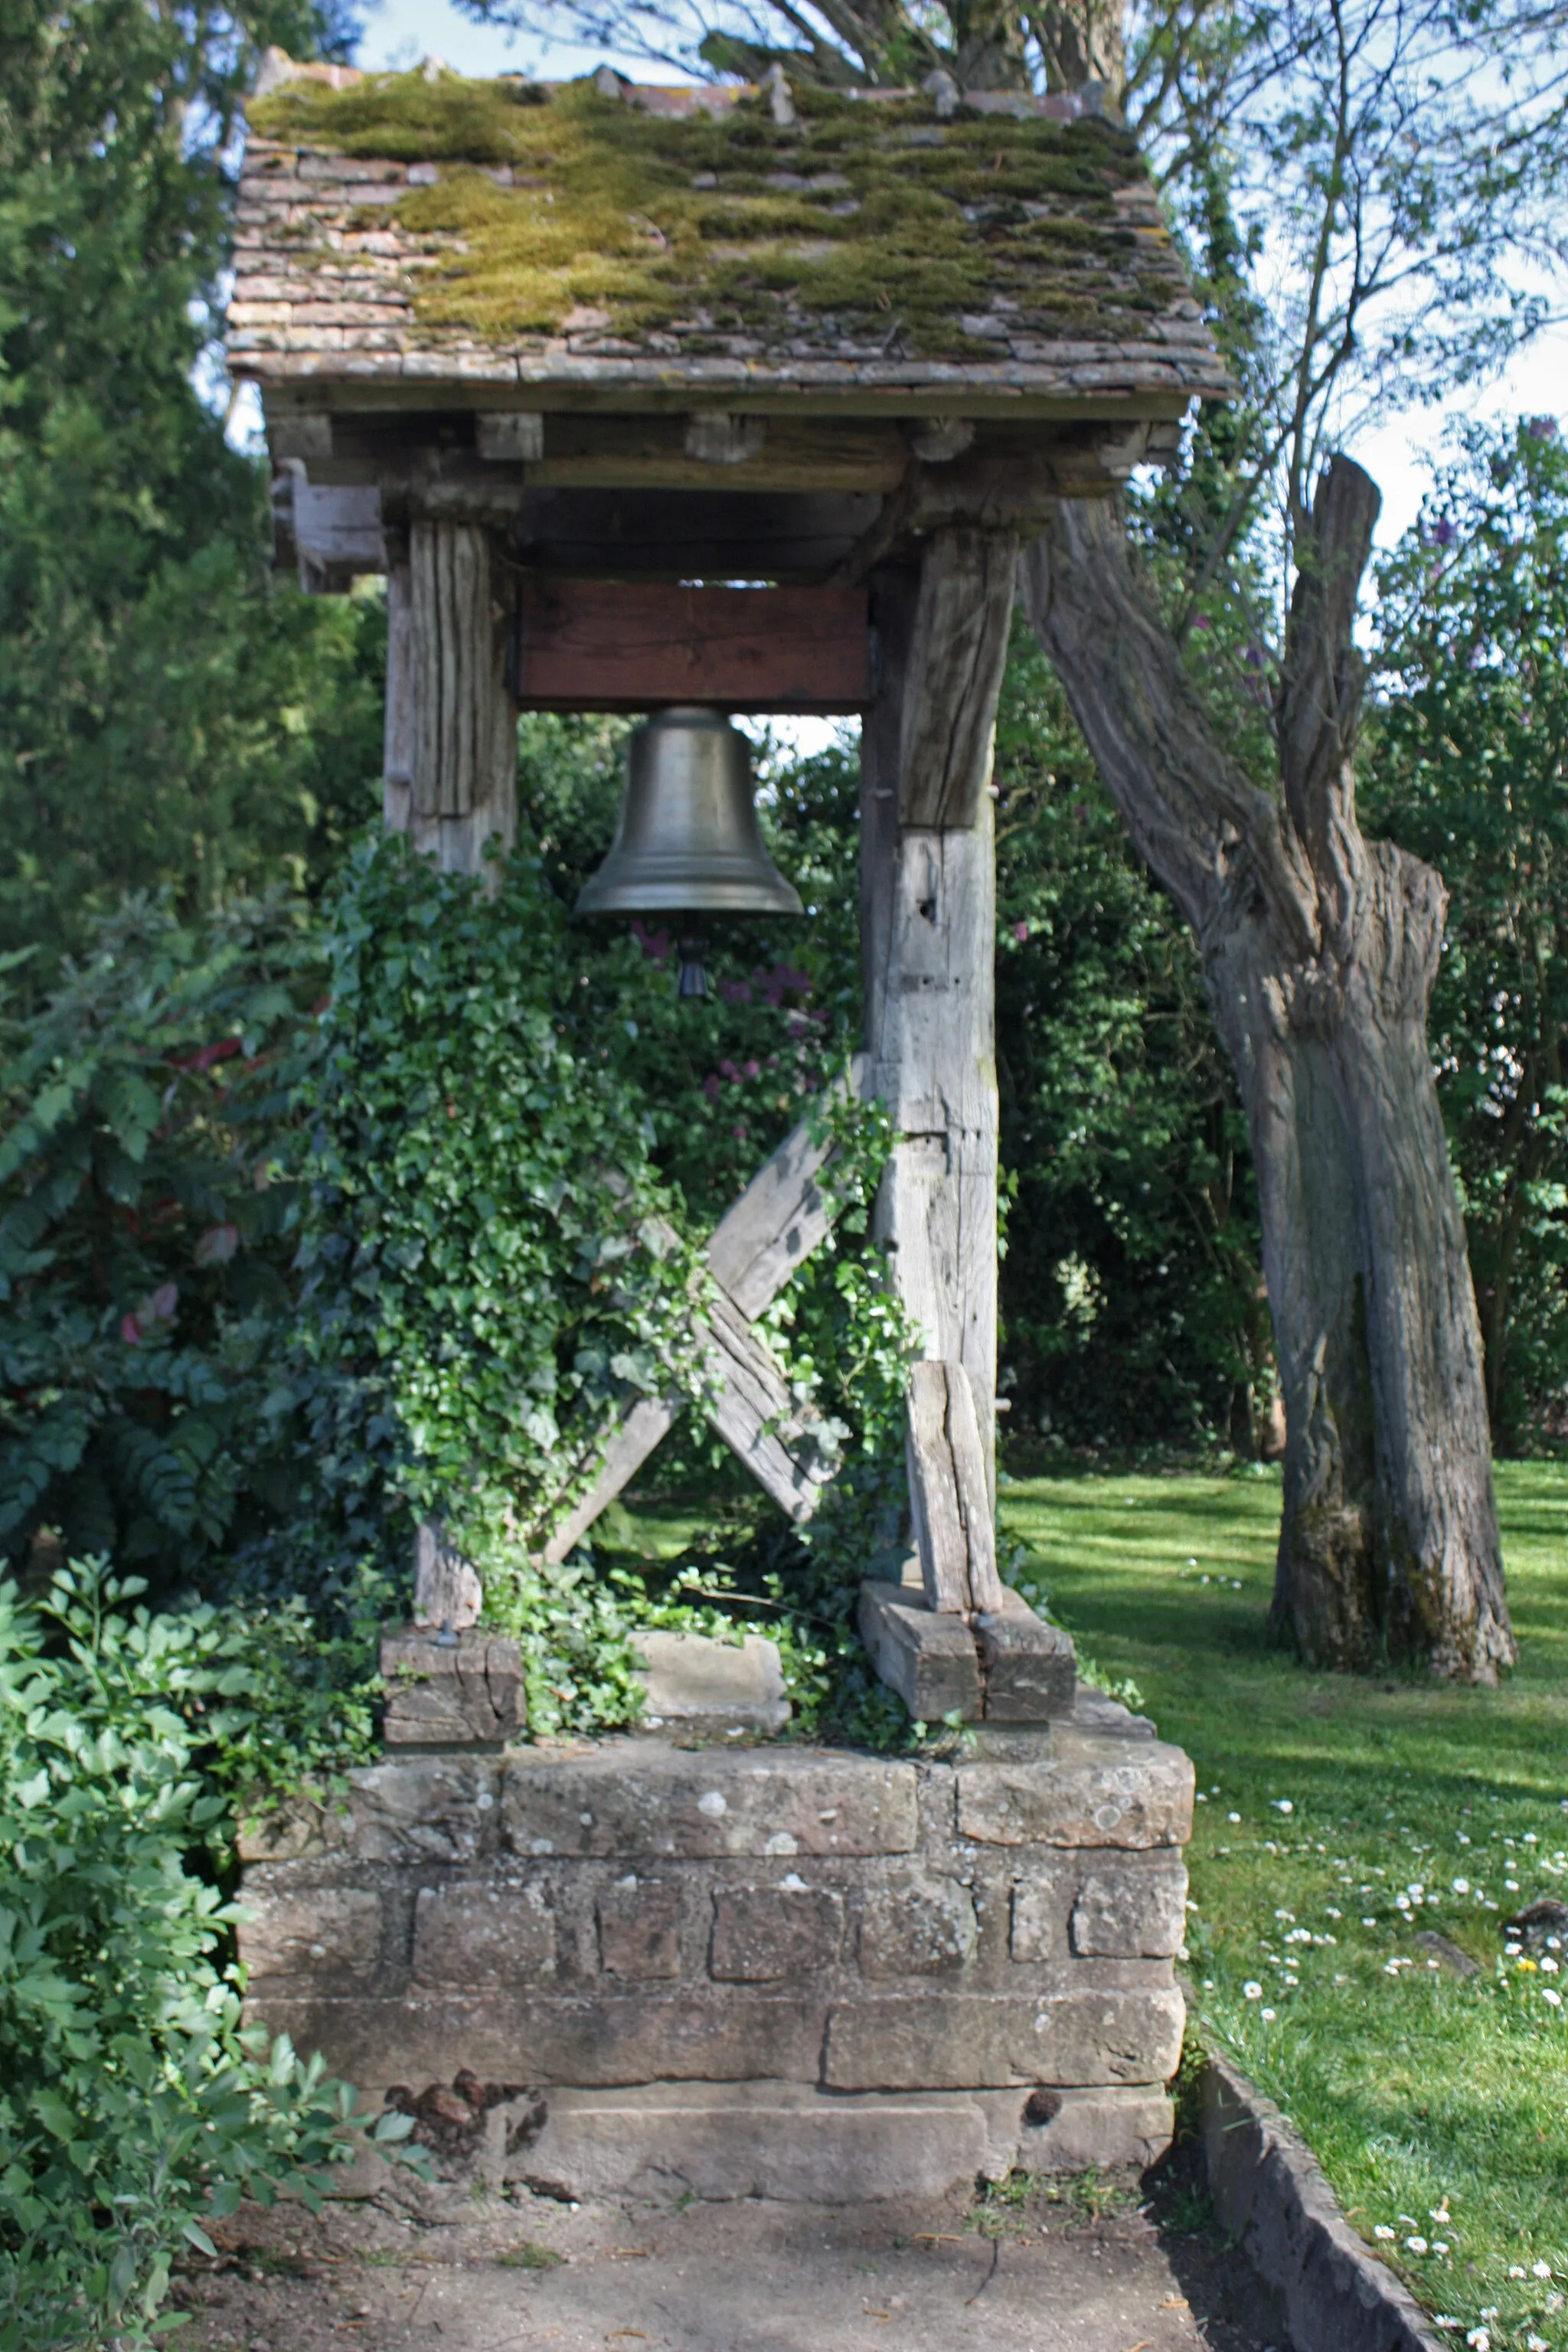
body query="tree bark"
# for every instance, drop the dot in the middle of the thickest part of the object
(1319, 949)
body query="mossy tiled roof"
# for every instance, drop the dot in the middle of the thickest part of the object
(400, 226)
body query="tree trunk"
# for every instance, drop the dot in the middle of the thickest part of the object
(1319, 949)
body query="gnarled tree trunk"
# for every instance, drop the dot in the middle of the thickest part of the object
(1319, 949)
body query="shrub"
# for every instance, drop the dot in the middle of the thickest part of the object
(134, 2108)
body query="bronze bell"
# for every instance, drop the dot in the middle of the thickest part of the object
(688, 841)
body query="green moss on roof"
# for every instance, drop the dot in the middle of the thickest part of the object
(869, 212)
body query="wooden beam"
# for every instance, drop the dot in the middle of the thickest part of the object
(721, 533)
(758, 1418)
(762, 1239)
(949, 1492)
(597, 645)
(956, 661)
(463, 767)
(766, 1237)
(638, 1431)
(928, 928)
(651, 453)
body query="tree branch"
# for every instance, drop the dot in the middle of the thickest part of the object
(1188, 804)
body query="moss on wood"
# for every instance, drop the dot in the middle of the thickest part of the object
(870, 219)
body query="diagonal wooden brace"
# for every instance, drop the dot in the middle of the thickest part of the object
(759, 1244)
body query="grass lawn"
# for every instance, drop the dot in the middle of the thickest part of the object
(1339, 1818)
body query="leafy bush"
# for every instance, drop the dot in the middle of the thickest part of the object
(133, 2109)
(147, 1226)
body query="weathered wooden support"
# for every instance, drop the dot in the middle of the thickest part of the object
(450, 781)
(928, 935)
(761, 1241)
(949, 1492)
(617, 644)
(954, 675)
(464, 765)
(397, 742)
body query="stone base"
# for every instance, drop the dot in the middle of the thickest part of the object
(723, 2140)
(987, 1940)
(698, 1688)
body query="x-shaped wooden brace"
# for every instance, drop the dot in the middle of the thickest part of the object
(759, 1244)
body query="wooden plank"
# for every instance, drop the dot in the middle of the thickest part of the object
(586, 452)
(639, 1430)
(766, 1236)
(955, 667)
(719, 534)
(949, 1492)
(940, 1534)
(337, 535)
(970, 1473)
(593, 645)
(758, 1418)
(463, 780)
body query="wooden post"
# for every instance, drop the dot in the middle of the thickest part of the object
(928, 925)
(463, 723)
(450, 781)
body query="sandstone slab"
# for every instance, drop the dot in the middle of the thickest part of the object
(697, 1684)
(642, 1798)
(328, 1928)
(1089, 1790)
(465, 1935)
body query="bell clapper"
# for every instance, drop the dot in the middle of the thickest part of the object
(692, 971)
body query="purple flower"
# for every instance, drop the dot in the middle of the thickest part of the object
(1020, 931)
(735, 992)
(1543, 428)
(711, 1085)
(1444, 534)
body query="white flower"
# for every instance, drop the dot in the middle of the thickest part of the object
(1540, 2269)
(1329, 1912)
(1439, 2245)
(1537, 2343)
(1461, 1885)
(1445, 2319)
(1416, 2245)
(1282, 1804)
(1439, 2212)
(1478, 2340)
(1516, 2269)
(1402, 1902)
(1383, 2230)
(1368, 1923)
(1233, 1817)
(1284, 1915)
(1549, 1967)
(1268, 2015)
(1252, 1990)
(1391, 1968)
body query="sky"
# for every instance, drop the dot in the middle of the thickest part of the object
(1396, 454)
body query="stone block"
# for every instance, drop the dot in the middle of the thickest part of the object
(1126, 1912)
(461, 1694)
(754, 2139)
(505, 2036)
(422, 1812)
(765, 1933)
(695, 1684)
(317, 1931)
(1028, 1669)
(1042, 1906)
(916, 1923)
(644, 1801)
(639, 1929)
(958, 2041)
(928, 1659)
(482, 1934)
(1089, 1791)
(1071, 2131)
